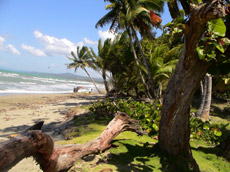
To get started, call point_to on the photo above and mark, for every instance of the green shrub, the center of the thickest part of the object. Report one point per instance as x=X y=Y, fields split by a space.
x=148 y=114
x=211 y=133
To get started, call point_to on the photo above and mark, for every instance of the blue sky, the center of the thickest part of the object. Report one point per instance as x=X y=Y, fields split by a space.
x=37 y=35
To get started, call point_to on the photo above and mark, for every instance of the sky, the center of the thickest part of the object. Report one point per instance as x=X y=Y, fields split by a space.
x=37 y=35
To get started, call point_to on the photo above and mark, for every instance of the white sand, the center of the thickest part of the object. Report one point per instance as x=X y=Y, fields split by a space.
x=18 y=112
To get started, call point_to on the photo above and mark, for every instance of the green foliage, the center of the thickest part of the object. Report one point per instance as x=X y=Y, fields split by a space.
x=149 y=116
x=213 y=40
x=174 y=30
x=147 y=113
x=211 y=133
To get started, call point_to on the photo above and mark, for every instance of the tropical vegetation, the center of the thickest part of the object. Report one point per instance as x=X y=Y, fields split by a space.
x=158 y=79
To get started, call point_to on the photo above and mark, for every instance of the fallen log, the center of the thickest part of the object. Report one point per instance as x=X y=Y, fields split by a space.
x=53 y=158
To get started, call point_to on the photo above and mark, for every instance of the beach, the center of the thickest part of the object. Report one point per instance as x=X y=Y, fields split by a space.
x=19 y=112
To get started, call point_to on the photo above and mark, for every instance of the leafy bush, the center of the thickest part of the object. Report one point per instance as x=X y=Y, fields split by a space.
x=147 y=113
x=212 y=133
x=149 y=116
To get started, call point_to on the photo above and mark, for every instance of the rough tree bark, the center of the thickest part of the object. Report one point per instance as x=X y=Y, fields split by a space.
x=174 y=131
x=58 y=158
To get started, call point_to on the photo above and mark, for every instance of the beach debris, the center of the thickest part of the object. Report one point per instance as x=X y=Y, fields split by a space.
x=76 y=89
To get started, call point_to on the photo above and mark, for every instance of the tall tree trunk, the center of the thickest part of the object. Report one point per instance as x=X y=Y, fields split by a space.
x=138 y=65
x=146 y=64
x=174 y=131
x=105 y=82
x=114 y=80
x=60 y=158
x=92 y=80
x=202 y=96
x=160 y=92
x=206 y=99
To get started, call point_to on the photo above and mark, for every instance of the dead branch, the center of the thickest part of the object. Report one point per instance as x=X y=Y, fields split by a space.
x=53 y=158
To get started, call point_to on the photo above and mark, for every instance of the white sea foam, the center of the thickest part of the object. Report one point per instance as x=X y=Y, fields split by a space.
x=27 y=83
x=8 y=74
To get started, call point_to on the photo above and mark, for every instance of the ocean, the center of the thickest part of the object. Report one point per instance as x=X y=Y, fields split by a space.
x=12 y=82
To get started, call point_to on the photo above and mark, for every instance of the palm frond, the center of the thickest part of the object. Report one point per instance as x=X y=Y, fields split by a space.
x=156 y=5
x=74 y=56
x=108 y=18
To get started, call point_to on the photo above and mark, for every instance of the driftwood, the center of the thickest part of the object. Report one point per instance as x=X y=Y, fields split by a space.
x=54 y=158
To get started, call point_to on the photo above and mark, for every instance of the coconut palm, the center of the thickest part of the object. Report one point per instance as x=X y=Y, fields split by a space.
x=122 y=15
x=117 y=17
x=204 y=109
x=138 y=18
x=162 y=66
x=102 y=59
x=82 y=60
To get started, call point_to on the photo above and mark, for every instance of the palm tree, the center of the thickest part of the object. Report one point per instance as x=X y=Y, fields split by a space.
x=122 y=15
x=117 y=17
x=102 y=59
x=138 y=65
x=138 y=18
x=204 y=109
x=82 y=60
x=162 y=62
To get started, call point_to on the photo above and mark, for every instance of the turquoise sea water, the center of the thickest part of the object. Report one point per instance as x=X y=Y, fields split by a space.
x=12 y=82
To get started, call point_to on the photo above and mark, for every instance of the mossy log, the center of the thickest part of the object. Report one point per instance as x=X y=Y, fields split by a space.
x=53 y=158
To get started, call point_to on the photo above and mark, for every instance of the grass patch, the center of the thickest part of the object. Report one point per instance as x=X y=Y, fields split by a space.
x=131 y=153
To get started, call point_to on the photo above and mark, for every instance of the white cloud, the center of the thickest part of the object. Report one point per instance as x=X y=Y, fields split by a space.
x=106 y=34
x=2 y=40
x=87 y=41
x=32 y=50
x=54 y=46
x=8 y=48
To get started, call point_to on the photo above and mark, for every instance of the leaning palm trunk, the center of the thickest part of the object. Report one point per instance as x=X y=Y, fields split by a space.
x=207 y=98
x=105 y=82
x=91 y=80
x=138 y=65
x=145 y=62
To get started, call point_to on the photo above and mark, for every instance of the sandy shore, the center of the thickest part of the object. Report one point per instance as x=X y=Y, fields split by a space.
x=18 y=112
